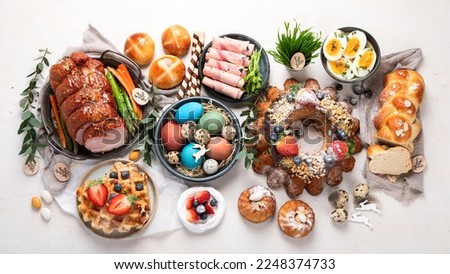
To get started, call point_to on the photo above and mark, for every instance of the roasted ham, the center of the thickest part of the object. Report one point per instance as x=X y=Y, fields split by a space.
x=86 y=103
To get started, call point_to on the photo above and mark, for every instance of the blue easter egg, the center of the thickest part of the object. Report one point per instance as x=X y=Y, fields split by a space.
x=187 y=156
x=191 y=111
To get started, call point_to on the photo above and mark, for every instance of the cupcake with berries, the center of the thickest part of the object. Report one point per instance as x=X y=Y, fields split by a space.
x=201 y=208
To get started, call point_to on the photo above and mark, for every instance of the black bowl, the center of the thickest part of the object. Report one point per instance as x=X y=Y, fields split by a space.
x=264 y=67
x=169 y=113
x=108 y=58
x=375 y=46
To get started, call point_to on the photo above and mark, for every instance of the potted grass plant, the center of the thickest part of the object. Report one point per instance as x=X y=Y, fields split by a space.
x=296 y=48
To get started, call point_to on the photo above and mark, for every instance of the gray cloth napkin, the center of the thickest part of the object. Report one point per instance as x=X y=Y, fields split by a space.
x=168 y=188
x=410 y=185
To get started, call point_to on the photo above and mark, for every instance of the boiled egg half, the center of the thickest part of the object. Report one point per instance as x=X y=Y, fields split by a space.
x=356 y=42
x=364 y=62
x=334 y=45
x=341 y=68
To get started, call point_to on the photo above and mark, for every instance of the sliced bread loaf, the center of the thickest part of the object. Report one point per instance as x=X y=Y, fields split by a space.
x=389 y=161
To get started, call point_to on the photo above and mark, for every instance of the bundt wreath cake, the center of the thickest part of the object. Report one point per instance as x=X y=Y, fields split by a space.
x=284 y=118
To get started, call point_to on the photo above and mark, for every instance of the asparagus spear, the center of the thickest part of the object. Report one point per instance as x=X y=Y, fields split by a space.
x=121 y=105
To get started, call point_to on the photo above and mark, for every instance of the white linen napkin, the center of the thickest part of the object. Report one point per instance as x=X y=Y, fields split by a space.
x=408 y=186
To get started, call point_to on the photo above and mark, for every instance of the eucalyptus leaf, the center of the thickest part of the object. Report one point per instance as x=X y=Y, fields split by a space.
x=241 y=153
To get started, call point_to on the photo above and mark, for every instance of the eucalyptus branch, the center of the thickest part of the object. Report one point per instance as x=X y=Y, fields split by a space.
x=149 y=124
x=29 y=120
x=249 y=153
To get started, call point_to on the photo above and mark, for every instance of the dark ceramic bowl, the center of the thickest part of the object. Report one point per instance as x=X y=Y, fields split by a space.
x=264 y=67
x=168 y=115
x=373 y=43
x=108 y=58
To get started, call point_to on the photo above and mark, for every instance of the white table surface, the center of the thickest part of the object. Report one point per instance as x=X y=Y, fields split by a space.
x=422 y=226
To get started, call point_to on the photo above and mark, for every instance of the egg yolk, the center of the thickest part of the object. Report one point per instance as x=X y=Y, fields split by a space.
x=366 y=59
x=339 y=66
x=353 y=46
x=333 y=46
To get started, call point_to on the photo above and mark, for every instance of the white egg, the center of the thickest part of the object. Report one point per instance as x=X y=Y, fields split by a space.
x=334 y=45
x=356 y=42
x=364 y=62
x=341 y=68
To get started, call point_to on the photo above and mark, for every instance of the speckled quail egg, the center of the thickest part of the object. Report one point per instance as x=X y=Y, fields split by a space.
x=361 y=191
x=229 y=133
x=339 y=215
x=201 y=136
x=342 y=199
x=173 y=157
x=210 y=166
x=188 y=130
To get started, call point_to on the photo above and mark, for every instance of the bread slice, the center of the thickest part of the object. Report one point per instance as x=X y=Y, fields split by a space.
x=389 y=161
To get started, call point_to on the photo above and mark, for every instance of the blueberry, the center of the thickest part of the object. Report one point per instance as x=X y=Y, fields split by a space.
x=290 y=97
x=368 y=93
x=339 y=86
x=298 y=133
x=278 y=129
x=117 y=187
x=125 y=174
x=308 y=161
x=353 y=101
x=297 y=160
x=273 y=136
x=320 y=95
x=358 y=90
x=113 y=175
x=341 y=134
x=213 y=202
x=328 y=160
x=195 y=204
x=139 y=186
x=203 y=216
x=200 y=209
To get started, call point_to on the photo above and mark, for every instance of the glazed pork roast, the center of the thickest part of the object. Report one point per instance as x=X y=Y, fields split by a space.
x=86 y=103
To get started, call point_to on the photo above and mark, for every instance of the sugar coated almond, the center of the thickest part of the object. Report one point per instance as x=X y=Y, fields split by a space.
x=46 y=196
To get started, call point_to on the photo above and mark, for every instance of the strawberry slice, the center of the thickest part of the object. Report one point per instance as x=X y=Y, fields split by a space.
x=338 y=150
x=209 y=209
x=192 y=215
x=190 y=202
x=202 y=196
x=287 y=146
x=97 y=193
x=121 y=204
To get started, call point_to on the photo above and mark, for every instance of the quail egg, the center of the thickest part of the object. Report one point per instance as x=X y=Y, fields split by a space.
x=201 y=136
x=339 y=215
x=229 y=133
x=342 y=199
x=210 y=166
x=188 y=130
x=173 y=157
x=361 y=191
x=334 y=45
x=356 y=42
